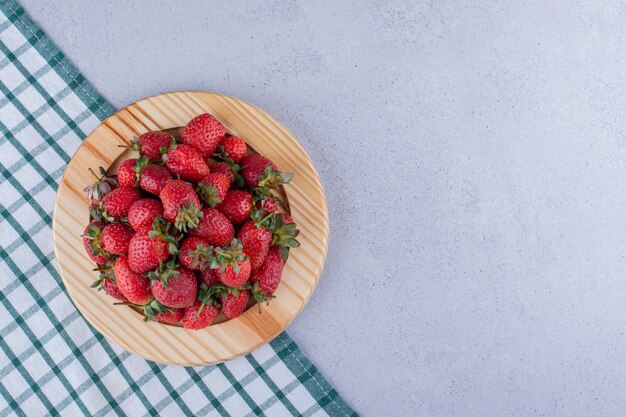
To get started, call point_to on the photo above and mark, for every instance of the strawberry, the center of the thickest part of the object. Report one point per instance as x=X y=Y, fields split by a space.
x=106 y=274
x=256 y=238
x=286 y=218
x=171 y=316
x=233 y=147
x=126 y=175
x=258 y=171
x=106 y=281
x=103 y=185
x=284 y=234
x=268 y=204
x=199 y=315
x=115 y=205
x=115 y=238
x=208 y=278
x=134 y=286
x=143 y=212
x=267 y=277
x=231 y=265
x=223 y=167
x=232 y=300
x=152 y=144
x=181 y=205
x=234 y=304
x=92 y=244
x=236 y=206
x=151 y=246
x=151 y=309
x=153 y=178
x=214 y=228
x=204 y=133
x=110 y=287
x=187 y=249
x=252 y=167
x=173 y=286
x=140 y=172
x=186 y=162
x=213 y=188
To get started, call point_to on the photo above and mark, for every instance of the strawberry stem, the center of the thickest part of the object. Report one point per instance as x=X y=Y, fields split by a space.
x=188 y=217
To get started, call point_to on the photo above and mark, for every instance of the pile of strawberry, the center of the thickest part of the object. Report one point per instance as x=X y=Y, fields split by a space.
x=189 y=227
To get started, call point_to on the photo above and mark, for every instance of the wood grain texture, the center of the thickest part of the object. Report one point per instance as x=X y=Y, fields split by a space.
x=219 y=342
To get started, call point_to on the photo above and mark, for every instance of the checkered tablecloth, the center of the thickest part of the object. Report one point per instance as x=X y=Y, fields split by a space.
x=52 y=362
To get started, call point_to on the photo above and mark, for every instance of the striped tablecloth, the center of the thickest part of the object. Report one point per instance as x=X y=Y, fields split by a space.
x=51 y=361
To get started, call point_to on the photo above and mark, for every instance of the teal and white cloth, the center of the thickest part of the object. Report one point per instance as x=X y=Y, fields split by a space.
x=52 y=362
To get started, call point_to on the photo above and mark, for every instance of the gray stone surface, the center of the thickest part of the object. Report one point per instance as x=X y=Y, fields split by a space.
x=474 y=160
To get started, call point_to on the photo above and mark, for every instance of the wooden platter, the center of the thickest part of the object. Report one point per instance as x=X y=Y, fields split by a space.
x=228 y=339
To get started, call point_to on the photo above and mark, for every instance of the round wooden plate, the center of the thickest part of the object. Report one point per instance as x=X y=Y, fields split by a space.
x=229 y=339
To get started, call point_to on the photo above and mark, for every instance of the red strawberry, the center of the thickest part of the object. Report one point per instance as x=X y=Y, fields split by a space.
x=103 y=185
x=223 y=167
x=234 y=305
x=91 y=242
x=286 y=218
x=252 y=167
x=269 y=274
x=268 y=205
x=236 y=206
x=143 y=212
x=171 y=316
x=134 y=286
x=230 y=277
x=199 y=315
x=106 y=279
x=153 y=178
x=284 y=234
x=149 y=248
x=186 y=162
x=213 y=188
x=190 y=245
x=115 y=238
x=181 y=205
x=204 y=133
x=231 y=265
x=111 y=289
x=149 y=144
x=256 y=239
x=214 y=228
x=258 y=171
x=208 y=277
x=126 y=175
x=234 y=147
x=174 y=288
x=116 y=204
